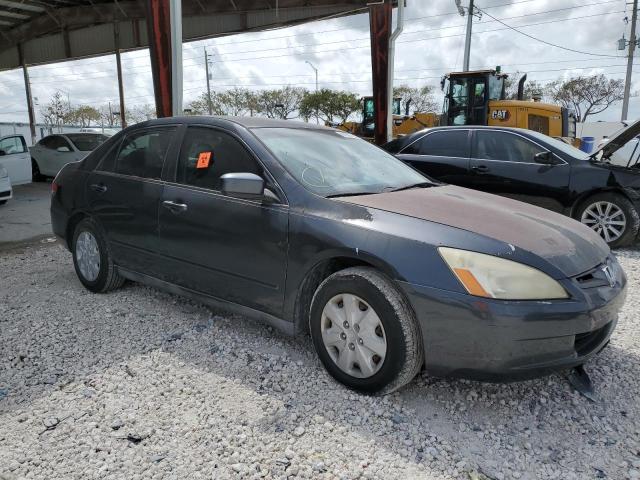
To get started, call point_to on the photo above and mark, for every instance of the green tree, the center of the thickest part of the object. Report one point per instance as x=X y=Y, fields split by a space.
x=83 y=115
x=331 y=106
x=280 y=103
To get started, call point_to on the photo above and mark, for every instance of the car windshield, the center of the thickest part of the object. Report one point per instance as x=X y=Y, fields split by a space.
x=86 y=142
x=559 y=145
x=334 y=163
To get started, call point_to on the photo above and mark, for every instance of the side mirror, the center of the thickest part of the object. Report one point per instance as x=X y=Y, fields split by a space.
x=243 y=185
x=63 y=149
x=545 y=158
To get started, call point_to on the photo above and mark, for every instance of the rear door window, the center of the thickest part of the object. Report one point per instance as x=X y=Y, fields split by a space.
x=207 y=154
x=496 y=145
x=142 y=153
x=449 y=143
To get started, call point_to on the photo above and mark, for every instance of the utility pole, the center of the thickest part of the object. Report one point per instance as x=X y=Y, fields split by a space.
x=632 y=47
x=315 y=70
x=206 y=67
x=467 y=39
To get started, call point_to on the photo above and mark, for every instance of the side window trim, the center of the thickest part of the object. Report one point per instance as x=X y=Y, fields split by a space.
x=474 y=153
x=269 y=180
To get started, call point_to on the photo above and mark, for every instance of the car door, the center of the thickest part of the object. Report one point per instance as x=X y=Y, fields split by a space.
x=123 y=194
x=503 y=162
x=61 y=153
x=229 y=248
x=441 y=154
x=15 y=157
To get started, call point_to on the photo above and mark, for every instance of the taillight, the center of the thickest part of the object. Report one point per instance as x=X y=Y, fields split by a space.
x=54 y=187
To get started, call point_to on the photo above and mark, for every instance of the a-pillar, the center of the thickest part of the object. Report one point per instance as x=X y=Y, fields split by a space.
x=380 y=31
x=164 y=29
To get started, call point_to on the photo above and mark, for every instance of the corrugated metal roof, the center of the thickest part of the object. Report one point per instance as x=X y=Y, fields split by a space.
x=56 y=30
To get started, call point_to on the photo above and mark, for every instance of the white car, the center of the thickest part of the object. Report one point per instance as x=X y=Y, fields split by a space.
x=5 y=186
x=53 y=152
x=15 y=165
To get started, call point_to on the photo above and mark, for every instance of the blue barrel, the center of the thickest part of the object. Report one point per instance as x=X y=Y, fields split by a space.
x=586 y=144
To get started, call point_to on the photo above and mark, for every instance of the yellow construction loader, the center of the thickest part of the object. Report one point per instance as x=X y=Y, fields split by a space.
x=478 y=98
x=475 y=98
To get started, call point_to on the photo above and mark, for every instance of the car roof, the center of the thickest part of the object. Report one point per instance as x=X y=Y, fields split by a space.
x=247 y=122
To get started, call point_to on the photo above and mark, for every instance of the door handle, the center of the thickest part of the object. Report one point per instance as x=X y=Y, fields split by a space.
x=174 y=206
x=480 y=169
x=98 y=187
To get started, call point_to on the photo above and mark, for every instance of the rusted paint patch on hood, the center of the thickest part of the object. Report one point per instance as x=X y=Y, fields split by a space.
x=571 y=246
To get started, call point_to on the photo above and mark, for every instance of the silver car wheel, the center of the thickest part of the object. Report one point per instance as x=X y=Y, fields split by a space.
x=607 y=219
x=88 y=256
x=353 y=335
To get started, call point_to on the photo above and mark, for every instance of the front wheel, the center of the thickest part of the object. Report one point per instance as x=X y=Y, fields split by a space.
x=612 y=216
x=365 y=332
x=36 y=176
x=92 y=259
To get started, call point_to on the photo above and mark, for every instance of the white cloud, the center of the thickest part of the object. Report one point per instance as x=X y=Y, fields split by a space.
x=431 y=45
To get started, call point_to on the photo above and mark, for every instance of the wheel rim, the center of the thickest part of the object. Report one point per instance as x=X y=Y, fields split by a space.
x=353 y=335
x=88 y=256
x=606 y=219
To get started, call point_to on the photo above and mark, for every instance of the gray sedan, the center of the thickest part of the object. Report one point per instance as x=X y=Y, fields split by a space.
x=53 y=152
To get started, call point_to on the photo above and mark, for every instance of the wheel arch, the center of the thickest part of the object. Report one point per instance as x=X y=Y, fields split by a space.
x=72 y=223
x=319 y=271
x=584 y=196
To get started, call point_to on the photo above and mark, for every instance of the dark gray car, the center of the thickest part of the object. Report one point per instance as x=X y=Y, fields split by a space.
x=314 y=230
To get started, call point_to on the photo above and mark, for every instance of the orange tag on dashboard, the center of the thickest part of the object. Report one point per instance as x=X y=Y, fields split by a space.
x=203 y=160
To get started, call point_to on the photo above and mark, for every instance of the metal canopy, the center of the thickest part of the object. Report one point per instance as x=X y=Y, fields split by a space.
x=57 y=30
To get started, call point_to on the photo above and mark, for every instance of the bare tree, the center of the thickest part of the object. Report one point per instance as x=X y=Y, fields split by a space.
x=55 y=112
x=587 y=95
x=140 y=113
x=419 y=99
x=531 y=88
x=200 y=106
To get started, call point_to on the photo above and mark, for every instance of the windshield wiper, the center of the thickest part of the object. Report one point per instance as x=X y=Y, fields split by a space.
x=413 y=185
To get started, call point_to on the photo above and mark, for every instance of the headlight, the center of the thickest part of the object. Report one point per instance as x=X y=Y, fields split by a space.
x=3 y=172
x=493 y=277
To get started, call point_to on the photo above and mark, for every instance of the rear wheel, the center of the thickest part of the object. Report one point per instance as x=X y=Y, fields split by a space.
x=35 y=171
x=92 y=259
x=365 y=332
x=612 y=216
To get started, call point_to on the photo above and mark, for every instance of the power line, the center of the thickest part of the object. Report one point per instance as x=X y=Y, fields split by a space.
x=544 y=41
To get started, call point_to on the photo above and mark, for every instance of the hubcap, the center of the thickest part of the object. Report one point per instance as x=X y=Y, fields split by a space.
x=353 y=335
x=88 y=256
x=606 y=219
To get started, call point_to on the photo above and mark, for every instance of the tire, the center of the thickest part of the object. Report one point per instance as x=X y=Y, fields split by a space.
x=36 y=176
x=397 y=328
x=104 y=276
x=623 y=211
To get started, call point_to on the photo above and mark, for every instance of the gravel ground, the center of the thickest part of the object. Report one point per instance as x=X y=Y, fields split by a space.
x=142 y=384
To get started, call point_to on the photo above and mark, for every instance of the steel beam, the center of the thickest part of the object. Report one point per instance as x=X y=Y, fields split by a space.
x=116 y=41
x=380 y=31
x=159 y=33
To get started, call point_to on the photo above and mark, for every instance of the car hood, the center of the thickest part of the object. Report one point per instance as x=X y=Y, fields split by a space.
x=618 y=140
x=570 y=246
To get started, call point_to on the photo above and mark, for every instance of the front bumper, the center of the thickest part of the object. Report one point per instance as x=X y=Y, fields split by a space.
x=498 y=340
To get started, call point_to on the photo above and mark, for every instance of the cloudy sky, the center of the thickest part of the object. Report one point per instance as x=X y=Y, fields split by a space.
x=431 y=45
